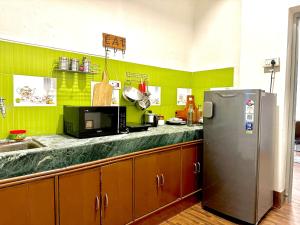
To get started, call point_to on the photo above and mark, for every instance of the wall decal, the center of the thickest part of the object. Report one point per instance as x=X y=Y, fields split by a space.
x=34 y=91
x=182 y=93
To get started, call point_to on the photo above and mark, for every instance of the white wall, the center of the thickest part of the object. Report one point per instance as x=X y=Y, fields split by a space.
x=216 y=39
x=190 y=35
x=158 y=32
x=264 y=34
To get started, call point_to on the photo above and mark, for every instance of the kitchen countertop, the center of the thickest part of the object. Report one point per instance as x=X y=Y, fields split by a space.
x=62 y=151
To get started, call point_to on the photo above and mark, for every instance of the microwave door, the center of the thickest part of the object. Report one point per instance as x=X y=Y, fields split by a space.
x=100 y=122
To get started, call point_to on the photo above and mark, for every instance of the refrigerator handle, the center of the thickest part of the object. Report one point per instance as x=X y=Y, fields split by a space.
x=227 y=95
x=208 y=109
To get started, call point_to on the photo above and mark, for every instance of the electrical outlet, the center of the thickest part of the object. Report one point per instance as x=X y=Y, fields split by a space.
x=268 y=62
x=268 y=65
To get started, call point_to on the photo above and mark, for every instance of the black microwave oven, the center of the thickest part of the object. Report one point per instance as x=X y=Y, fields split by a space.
x=94 y=121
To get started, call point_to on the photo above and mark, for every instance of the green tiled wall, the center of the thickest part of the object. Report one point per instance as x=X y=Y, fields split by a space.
x=74 y=89
x=204 y=80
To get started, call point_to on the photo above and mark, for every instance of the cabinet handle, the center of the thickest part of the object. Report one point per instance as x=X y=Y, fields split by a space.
x=199 y=167
x=157 y=181
x=97 y=203
x=105 y=200
x=196 y=169
x=162 y=180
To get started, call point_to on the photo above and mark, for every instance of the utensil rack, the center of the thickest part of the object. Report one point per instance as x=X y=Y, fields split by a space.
x=136 y=77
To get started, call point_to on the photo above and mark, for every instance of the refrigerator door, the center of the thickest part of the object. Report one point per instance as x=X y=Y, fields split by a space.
x=230 y=153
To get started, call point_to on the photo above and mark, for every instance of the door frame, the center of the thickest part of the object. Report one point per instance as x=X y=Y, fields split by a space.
x=291 y=95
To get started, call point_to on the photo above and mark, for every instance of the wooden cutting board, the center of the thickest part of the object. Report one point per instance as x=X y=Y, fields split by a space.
x=184 y=113
x=102 y=92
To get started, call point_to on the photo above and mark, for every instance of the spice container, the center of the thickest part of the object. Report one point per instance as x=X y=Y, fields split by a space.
x=63 y=63
x=161 y=120
x=86 y=64
x=74 y=65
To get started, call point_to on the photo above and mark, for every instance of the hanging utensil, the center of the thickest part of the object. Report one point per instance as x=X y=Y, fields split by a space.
x=131 y=94
x=143 y=104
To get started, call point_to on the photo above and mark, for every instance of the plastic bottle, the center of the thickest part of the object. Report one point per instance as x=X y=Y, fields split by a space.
x=190 y=115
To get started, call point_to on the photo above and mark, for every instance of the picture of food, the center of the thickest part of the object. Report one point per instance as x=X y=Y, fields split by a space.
x=155 y=95
x=34 y=91
x=181 y=95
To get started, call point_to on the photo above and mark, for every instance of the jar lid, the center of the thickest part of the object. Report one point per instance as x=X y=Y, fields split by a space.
x=17 y=132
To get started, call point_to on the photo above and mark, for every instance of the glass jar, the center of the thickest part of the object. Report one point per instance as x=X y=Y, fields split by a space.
x=63 y=63
x=86 y=64
x=74 y=65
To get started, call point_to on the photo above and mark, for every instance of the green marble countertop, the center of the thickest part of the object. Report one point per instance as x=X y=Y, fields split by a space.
x=62 y=151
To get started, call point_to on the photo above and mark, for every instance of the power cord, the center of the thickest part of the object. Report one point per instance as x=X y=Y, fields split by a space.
x=272 y=76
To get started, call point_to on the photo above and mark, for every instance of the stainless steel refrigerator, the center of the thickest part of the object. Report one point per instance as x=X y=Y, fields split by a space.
x=239 y=138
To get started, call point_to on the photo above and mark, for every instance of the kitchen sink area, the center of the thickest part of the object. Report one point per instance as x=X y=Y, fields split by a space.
x=16 y=146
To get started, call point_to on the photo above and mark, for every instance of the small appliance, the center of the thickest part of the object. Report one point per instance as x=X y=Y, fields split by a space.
x=88 y=121
x=150 y=118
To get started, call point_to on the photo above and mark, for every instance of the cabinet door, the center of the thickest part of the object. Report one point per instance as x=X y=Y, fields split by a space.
x=169 y=171
x=79 y=198
x=41 y=202
x=191 y=160
x=146 y=185
x=28 y=204
x=116 y=192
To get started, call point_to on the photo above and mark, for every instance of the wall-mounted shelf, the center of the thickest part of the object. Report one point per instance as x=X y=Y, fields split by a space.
x=77 y=71
x=136 y=77
x=74 y=65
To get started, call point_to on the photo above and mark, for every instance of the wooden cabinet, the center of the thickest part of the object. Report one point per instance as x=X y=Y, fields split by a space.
x=169 y=170
x=106 y=193
x=79 y=198
x=191 y=168
x=117 y=193
x=28 y=204
x=146 y=184
x=111 y=194
x=156 y=180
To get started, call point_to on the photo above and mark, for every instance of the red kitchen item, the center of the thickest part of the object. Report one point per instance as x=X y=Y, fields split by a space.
x=17 y=132
x=17 y=135
x=145 y=86
x=142 y=87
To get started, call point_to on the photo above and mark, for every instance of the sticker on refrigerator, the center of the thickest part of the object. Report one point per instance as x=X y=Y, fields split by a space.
x=249 y=106
x=249 y=117
x=249 y=127
x=249 y=102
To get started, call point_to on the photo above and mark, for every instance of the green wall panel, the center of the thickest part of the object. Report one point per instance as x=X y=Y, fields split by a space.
x=74 y=89
x=204 y=80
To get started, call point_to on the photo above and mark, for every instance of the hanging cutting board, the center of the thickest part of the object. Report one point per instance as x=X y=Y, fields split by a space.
x=103 y=92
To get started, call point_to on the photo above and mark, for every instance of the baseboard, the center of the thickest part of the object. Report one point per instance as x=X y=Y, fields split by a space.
x=278 y=199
